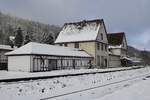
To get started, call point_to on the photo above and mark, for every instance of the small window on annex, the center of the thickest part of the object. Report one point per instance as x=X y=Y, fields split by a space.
x=76 y=45
x=65 y=44
x=60 y=44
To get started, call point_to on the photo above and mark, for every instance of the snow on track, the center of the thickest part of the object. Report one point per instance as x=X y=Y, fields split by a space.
x=43 y=88
x=93 y=88
x=14 y=76
x=138 y=91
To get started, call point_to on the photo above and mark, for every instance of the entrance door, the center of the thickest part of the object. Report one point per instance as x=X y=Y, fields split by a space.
x=52 y=64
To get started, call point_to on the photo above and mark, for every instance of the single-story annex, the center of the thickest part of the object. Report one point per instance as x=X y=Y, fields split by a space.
x=34 y=57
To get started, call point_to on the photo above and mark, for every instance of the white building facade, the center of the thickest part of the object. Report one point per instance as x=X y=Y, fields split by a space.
x=117 y=48
x=36 y=57
x=88 y=35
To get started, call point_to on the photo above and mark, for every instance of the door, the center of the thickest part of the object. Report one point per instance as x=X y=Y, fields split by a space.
x=52 y=64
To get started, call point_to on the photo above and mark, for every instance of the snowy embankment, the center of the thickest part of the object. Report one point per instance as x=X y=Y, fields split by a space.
x=138 y=91
x=15 y=75
x=38 y=89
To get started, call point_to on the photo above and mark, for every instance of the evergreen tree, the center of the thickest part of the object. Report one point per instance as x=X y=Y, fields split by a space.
x=27 y=39
x=19 y=38
x=48 y=40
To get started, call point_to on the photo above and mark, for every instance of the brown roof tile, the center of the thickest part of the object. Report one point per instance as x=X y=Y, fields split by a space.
x=115 y=38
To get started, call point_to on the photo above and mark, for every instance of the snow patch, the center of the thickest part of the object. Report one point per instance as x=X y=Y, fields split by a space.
x=37 y=89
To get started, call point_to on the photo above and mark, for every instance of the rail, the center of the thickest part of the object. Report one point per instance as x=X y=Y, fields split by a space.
x=74 y=92
x=65 y=75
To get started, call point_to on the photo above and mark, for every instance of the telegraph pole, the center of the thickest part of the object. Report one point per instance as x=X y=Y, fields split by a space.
x=144 y=57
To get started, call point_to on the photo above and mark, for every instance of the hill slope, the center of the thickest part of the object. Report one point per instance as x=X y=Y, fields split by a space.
x=38 y=31
x=133 y=52
x=144 y=55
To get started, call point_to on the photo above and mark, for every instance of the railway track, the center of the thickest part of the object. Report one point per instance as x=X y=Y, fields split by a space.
x=79 y=91
x=24 y=80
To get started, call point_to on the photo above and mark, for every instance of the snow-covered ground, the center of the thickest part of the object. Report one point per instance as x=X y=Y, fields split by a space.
x=38 y=89
x=13 y=75
x=138 y=91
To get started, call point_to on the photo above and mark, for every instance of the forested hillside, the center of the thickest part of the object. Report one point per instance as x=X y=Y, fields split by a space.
x=37 y=31
x=133 y=52
x=144 y=55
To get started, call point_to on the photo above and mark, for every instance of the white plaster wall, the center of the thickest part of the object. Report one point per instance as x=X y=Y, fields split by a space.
x=102 y=31
x=124 y=44
x=104 y=41
x=101 y=53
x=19 y=63
x=116 y=51
x=123 y=53
x=114 y=61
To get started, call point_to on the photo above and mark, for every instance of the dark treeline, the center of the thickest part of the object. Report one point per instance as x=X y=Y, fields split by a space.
x=36 y=31
x=143 y=54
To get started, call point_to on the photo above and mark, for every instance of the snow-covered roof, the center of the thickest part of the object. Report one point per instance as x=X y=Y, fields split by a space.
x=114 y=46
x=135 y=59
x=33 y=48
x=6 y=47
x=79 y=31
x=11 y=38
x=127 y=58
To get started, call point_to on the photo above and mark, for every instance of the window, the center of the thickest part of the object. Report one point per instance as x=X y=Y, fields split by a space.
x=101 y=36
x=102 y=61
x=65 y=44
x=98 y=60
x=76 y=45
x=105 y=47
x=105 y=62
x=98 y=46
x=102 y=46
x=122 y=44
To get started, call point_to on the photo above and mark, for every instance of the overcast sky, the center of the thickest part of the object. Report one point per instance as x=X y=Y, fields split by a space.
x=129 y=16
